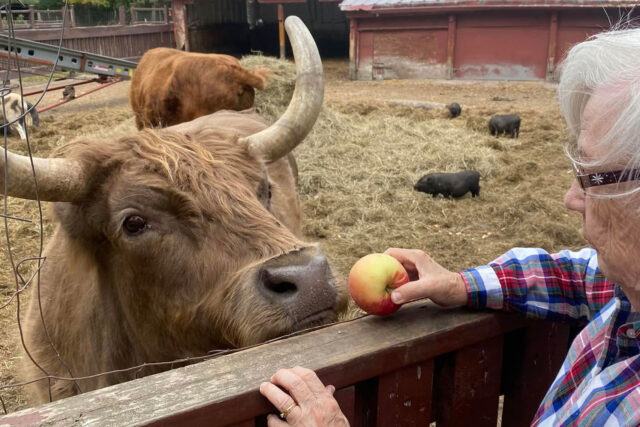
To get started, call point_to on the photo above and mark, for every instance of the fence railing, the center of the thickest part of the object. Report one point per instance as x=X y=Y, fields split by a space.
x=149 y=15
x=422 y=364
x=53 y=18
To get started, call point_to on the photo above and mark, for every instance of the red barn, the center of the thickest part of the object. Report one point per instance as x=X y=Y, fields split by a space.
x=471 y=39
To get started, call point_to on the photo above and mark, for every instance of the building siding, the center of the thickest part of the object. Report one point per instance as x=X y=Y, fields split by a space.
x=517 y=43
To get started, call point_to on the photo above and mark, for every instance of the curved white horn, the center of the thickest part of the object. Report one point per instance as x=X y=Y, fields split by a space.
x=59 y=180
x=290 y=129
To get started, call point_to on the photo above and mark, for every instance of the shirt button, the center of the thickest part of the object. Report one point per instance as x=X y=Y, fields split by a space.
x=631 y=333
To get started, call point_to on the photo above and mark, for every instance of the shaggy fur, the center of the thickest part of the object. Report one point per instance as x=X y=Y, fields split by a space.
x=189 y=282
x=12 y=111
x=170 y=86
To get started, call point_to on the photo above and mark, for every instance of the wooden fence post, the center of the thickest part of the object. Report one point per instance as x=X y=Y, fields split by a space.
x=451 y=47
x=31 y=17
x=133 y=15
x=122 y=18
x=353 y=48
x=72 y=16
x=551 y=50
x=281 y=30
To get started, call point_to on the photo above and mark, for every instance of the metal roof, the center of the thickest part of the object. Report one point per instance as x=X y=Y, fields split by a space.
x=354 y=5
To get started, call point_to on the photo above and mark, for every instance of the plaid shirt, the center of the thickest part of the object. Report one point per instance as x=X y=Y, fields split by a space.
x=599 y=381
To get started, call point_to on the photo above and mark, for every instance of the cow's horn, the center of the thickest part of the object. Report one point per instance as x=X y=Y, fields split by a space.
x=290 y=129
x=59 y=180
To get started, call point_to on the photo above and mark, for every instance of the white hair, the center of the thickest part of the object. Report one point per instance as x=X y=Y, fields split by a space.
x=606 y=61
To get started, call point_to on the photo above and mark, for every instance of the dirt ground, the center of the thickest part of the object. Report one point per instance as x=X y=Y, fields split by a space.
x=357 y=170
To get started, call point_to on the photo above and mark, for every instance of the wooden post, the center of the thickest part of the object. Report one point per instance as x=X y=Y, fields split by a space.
x=67 y=20
x=353 y=48
x=31 y=17
x=553 y=41
x=72 y=16
x=166 y=14
x=451 y=46
x=122 y=18
x=180 y=30
x=281 y=30
x=133 y=15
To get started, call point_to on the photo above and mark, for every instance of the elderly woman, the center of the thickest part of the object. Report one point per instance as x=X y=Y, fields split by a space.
x=599 y=382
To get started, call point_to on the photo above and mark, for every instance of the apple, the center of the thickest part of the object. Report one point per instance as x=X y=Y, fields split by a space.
x=371 y=281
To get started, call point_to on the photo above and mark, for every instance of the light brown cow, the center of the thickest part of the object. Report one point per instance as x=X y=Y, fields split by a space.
x=17 y=115
x=172 y=243
x=170 y=86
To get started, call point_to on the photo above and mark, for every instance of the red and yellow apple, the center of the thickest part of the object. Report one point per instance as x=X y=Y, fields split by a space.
x=371 y=281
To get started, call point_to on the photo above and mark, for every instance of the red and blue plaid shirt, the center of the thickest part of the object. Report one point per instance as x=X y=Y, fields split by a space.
x=599 y=382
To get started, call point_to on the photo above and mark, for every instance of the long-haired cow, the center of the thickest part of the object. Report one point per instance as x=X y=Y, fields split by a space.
x=11 y=110
x=170 y=86
x=172 y=243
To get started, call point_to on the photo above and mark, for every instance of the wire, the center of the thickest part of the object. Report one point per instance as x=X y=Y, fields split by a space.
x=3 y=92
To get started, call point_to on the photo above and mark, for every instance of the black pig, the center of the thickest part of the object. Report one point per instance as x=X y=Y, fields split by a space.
x=506 y=123
x=454 y=110
x=450 y=184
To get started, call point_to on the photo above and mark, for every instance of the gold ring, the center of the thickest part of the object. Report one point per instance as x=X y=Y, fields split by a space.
x=286 y=412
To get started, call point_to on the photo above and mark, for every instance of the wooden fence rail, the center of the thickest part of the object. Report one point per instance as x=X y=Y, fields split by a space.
x=420 y=365
x=35 y=18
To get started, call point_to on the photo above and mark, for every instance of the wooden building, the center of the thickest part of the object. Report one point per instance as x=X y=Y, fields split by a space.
x=471 y=39
x=241 y=26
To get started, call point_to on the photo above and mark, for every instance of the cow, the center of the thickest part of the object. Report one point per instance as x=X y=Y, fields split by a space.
x=454 y=110
x=170 y=86
x=506 y=123
x=18 y=115
x=450 y=184
x=171 y=243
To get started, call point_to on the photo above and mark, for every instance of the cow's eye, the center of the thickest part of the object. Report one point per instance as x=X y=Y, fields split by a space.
x=134 y=225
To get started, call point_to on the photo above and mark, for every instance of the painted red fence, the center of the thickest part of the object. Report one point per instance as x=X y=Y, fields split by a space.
x=420 y=365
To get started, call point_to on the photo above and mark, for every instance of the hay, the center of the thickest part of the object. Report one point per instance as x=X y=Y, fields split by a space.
x=358 y=166
x=271 y=102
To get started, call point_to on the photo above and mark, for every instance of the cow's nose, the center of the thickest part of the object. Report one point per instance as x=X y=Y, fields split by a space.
x=303 y=286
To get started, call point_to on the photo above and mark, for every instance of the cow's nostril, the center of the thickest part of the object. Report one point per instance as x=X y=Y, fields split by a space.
x=281 y=287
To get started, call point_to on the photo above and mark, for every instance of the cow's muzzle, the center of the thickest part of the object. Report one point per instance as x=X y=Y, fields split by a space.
x=302 y=285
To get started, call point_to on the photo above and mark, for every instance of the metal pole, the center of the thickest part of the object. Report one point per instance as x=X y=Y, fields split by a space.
x=52 y=88
x=102 y=86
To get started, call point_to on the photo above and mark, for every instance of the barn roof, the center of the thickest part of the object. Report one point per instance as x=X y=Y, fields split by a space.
x=381 y=5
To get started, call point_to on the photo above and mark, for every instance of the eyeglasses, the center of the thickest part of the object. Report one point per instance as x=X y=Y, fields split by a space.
x=597 y=179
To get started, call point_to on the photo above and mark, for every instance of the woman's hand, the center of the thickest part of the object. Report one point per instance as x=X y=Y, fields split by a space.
x=302 y=399
x=428 y=279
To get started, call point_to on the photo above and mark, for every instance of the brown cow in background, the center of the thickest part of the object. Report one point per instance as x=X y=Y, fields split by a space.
x=170 y=86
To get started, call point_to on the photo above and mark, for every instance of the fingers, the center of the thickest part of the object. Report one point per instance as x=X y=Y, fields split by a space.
x=294 y=384
x=311 y=380
x=411 y=291
x=408 y=256
x=302 y=388
x=281 y=400
x=275 y=421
